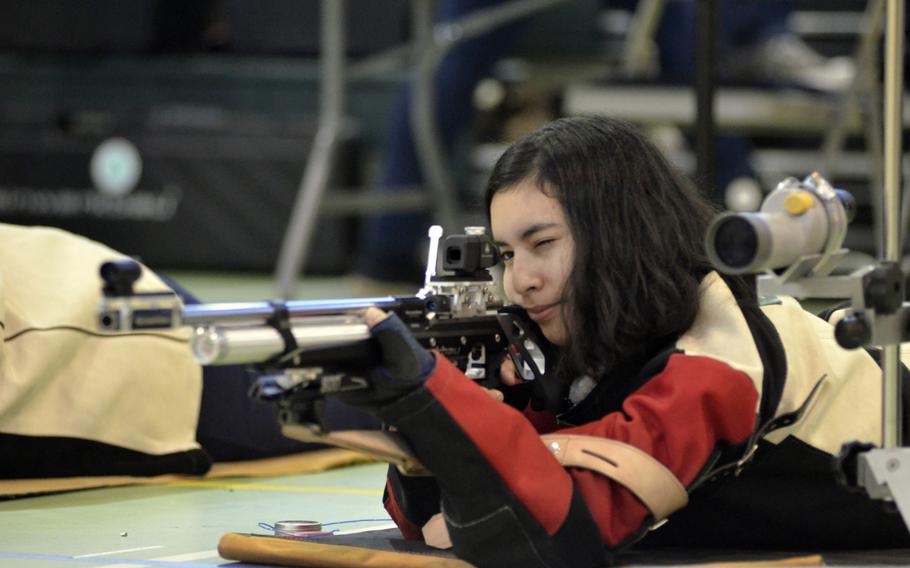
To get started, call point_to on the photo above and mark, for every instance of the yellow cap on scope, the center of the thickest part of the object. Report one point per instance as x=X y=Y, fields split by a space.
x=798 y=202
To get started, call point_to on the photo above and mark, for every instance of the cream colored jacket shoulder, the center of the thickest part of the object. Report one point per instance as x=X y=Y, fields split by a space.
x=60 y=377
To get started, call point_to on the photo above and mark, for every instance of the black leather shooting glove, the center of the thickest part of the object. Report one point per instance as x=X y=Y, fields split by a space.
x=404 y=366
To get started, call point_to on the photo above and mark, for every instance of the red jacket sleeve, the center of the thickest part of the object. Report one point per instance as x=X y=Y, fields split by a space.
x=678 y=417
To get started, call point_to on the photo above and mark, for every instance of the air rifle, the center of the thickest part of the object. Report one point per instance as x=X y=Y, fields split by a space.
x=301 y=351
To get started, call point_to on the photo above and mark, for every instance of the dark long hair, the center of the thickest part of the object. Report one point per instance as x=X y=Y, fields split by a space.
x=638 y=226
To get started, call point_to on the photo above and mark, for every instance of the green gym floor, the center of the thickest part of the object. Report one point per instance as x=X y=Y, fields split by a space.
x=178 y=525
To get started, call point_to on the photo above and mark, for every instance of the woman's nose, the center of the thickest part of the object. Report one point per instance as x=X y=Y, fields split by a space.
x=525 y=278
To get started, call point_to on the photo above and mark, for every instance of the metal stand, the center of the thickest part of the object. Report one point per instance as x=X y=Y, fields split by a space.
x=315 y=179
x=894 y=89
x=885 y=473
x=879 y=311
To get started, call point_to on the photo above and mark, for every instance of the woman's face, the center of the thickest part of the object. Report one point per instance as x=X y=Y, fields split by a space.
x=537 y=249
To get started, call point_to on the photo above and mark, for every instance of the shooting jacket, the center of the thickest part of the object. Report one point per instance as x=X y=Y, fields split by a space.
x=746 y=409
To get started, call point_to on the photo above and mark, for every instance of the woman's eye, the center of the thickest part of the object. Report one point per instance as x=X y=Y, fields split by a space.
x=543 y=243
x=506 y=255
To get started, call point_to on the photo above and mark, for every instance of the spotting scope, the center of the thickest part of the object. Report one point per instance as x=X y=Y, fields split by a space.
x=798 y=219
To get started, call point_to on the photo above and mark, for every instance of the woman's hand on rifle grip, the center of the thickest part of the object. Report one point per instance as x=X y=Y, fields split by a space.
x=405 y=363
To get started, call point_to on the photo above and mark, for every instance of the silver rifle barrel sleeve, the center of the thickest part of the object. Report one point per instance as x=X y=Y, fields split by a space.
x=227 y=345
x=258 y=312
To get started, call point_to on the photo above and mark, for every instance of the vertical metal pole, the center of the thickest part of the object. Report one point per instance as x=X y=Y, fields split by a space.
x=894 y=85
x=315 y=179
x=424 y=128
x=705 y=64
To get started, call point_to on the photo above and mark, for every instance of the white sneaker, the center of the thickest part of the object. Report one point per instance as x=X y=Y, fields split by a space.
x=786 y=58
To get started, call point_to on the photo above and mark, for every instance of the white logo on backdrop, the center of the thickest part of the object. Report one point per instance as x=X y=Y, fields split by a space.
x=116 y=167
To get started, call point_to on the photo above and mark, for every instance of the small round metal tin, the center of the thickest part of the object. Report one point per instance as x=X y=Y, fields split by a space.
x=296 y=528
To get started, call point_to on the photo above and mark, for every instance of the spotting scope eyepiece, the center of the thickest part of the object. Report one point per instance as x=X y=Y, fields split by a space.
x=796 y=220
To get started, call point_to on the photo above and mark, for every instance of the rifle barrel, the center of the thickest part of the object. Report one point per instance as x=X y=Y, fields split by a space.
x=258 y=312
x=226 y=345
